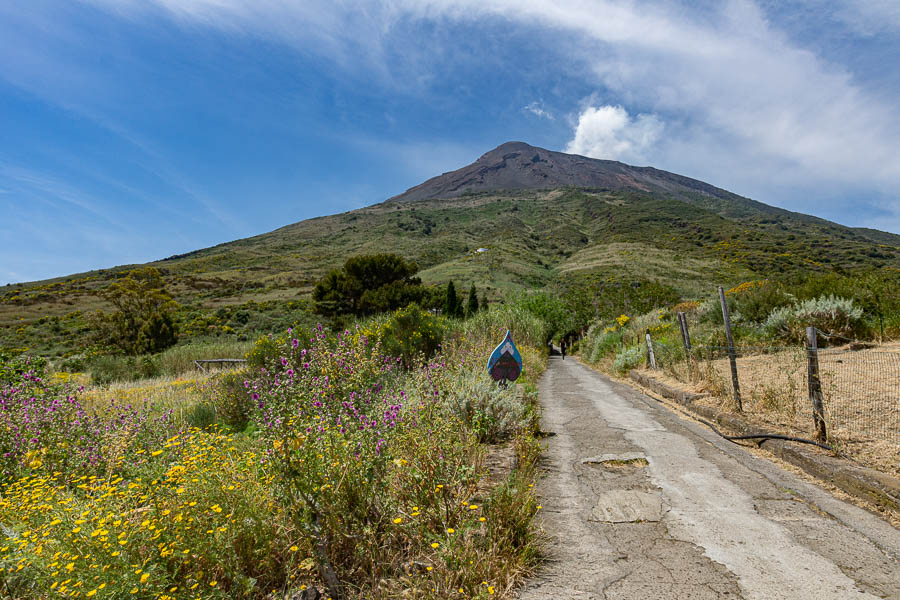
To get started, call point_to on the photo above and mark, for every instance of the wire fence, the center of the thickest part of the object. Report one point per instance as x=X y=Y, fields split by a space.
x=862 y=393
x=860 y=387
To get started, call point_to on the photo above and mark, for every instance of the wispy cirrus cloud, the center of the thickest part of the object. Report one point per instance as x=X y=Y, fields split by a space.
x=537 y=108
x=199 y=107
x=721 y=73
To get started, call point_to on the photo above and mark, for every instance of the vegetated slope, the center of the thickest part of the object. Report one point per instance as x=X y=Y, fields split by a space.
x=635 y=224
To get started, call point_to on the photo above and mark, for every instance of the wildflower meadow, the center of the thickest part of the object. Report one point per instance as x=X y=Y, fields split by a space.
x=354 y=469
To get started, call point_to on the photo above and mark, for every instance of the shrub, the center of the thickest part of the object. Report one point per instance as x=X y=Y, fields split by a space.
x=13 y=369
x=268 y=349
x=412 y=332
x=265 y=350
x=604 y=343
x=231 y=400
x=628 y=358
x=832 y=315
x=551 y=310
x=106 y=369
x=782 y=324
x=688 y=306
x=756 y=302
x=73 y=364
x=492 y=413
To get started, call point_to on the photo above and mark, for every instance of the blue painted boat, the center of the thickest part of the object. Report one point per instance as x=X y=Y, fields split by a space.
x=505 y=363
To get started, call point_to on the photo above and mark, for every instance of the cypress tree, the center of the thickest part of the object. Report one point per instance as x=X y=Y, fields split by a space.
x=452 y=305
x=472 y=306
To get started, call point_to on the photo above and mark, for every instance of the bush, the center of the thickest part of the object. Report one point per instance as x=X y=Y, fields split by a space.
x=551 y=310
x=265 y=350
x=231 y=400
x=106 y=369
x=492 y=413
x=829 y=314
x=268 y=349
x=832 y=315
x=73 y=364
x=782 y=324
x=13 y=369
x=412 y=332
x=756 y=302
x=603 y=344
x=628 y=359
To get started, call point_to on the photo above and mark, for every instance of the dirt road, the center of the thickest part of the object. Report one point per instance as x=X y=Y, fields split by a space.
x=642 y=504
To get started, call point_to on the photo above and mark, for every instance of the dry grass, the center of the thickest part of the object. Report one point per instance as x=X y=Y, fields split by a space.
x=861 y=388
x=178 y=394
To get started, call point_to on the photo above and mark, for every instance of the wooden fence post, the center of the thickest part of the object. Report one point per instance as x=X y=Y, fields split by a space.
x=650 y=351
x=686 y=340
x=732 y=355
x=815 y=385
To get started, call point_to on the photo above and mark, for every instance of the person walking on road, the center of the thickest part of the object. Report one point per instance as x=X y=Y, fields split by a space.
x=562 y=348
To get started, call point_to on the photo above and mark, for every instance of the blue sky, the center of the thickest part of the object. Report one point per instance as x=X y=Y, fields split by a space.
x=131 y=130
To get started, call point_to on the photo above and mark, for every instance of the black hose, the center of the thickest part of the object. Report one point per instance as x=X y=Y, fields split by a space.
x=767 y=436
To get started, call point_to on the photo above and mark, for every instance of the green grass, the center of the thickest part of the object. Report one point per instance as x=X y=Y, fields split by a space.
x=179 y=360
x=534 y=238
x=689 y=275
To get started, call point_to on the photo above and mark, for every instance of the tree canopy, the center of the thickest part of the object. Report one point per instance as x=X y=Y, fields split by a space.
x=143 y=320
x=368 y=284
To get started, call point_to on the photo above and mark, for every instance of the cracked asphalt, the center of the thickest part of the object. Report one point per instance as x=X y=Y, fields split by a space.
x=640 y=503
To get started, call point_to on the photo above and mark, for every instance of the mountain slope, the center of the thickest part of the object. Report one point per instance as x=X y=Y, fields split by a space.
x=642 y=224
x=520 y=166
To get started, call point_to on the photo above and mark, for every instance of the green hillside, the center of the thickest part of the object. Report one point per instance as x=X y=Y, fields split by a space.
x=532 y=238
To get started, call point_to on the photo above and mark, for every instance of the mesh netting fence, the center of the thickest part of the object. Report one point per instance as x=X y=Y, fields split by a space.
x=861 y=388
x=862 y=393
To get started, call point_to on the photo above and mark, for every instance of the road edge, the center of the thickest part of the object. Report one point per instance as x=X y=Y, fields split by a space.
x=861 y=482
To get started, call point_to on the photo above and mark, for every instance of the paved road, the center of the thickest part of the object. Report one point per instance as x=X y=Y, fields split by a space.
x=642 y=504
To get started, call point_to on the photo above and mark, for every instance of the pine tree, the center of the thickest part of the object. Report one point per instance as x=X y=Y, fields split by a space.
x=484 y=302
x=452 y=305
x=472 y=306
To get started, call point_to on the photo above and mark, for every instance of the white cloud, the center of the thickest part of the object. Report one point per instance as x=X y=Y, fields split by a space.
x=725 y=69
x=609 y=132
x=537 y=108
x=733 y=88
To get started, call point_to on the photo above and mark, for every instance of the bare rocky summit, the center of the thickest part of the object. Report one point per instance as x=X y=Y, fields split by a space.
x=518 y=166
